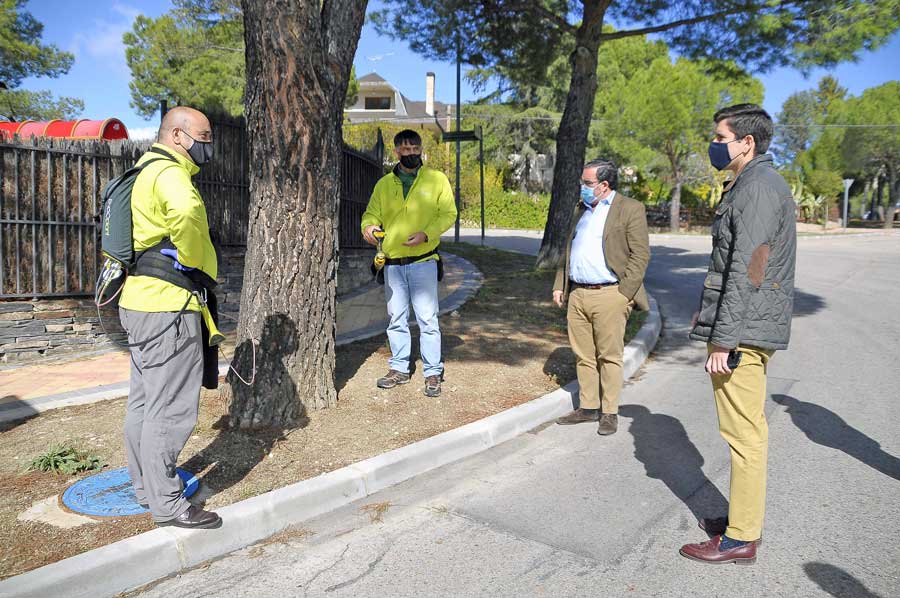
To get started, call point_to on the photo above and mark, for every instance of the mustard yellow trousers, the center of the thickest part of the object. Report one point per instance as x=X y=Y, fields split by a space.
x=740 y=401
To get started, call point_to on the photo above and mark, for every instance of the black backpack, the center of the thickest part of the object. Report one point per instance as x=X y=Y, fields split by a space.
x=116 y=241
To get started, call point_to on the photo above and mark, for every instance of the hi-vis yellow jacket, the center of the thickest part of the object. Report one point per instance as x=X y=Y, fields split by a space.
x=165 y=203
x=429 y=207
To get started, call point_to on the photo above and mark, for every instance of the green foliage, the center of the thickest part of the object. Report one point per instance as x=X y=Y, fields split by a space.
x=867 y=148
x=23 y=55
x=801 y=114
x=193 y=55
x=660 y=120
x=174 y=57
x=507 y=209
x=352 y=89
x=64 y=458
x=19 y=105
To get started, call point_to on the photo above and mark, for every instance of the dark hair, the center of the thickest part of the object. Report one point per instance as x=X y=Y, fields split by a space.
x=606 y=170
x=748 y=119
x=407 y=136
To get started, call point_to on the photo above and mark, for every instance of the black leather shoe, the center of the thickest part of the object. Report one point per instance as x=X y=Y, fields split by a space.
x=194 y=518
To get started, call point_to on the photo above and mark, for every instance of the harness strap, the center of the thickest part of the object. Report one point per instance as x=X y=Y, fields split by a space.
x=403 y=261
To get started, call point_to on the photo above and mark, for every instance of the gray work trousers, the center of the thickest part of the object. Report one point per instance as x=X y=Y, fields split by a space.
x=163 y=401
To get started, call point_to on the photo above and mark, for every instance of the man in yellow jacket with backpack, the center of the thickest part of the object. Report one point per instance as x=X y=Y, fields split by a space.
x=163 y=320
x=413 y=206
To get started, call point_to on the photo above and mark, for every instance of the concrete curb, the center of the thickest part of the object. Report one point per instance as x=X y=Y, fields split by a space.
x=472 y=281
x=139 y=560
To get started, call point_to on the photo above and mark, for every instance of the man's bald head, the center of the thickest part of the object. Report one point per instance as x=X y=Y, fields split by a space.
x=180 y=126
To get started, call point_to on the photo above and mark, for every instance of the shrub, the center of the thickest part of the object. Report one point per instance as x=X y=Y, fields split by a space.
x=508 y=209
x=64 y=458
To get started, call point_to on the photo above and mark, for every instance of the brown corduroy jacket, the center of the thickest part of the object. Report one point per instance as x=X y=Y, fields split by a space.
x=626 y=248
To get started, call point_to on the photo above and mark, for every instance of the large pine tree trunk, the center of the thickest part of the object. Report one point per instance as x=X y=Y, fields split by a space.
x=299 y=56
x=571 y=139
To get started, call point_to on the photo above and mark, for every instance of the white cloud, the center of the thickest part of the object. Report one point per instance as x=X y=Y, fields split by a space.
x=142 y=133
x=104 y=42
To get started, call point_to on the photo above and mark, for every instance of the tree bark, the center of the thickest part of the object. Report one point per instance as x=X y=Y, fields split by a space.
x=675 y=206
x=675 y=202
x=571 y=139
x=892 y=186
x=298 y=57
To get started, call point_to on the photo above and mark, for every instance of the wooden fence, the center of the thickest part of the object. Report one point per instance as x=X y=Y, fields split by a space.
x=51 y=189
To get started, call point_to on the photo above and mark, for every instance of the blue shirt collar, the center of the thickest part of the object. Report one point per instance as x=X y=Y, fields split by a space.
x=605 y=202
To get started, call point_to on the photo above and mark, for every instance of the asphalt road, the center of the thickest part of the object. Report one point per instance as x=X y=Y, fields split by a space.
x=561 y=511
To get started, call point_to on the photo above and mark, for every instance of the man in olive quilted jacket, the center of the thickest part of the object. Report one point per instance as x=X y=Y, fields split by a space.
x=745 y=316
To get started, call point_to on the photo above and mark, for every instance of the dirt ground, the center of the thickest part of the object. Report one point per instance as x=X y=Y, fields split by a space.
x=506 y=346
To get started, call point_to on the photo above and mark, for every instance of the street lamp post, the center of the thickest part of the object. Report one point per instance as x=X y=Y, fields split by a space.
x=847 y=184
x=458 y=115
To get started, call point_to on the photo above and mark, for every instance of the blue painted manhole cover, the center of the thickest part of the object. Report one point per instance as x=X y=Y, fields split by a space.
x=109 y=494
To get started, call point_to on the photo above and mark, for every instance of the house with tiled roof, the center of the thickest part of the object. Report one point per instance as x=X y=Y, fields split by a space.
x=379 y=100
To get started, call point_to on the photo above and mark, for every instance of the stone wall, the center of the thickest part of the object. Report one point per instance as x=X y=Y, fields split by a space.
x=34 y=329
x=47 y=328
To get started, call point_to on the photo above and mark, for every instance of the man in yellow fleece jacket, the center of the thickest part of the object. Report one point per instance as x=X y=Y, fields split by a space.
x=413 y=206
x=166 y=372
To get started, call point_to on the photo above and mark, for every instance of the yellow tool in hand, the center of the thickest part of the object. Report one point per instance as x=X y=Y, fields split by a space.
x=380 y=257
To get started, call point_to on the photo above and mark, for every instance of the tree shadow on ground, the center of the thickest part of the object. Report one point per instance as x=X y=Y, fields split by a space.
x=560 y=365
x=349 y=358
x=233 y=453
x=836 y=581
x=21 y=410
x=661 y=443
x=827 y=428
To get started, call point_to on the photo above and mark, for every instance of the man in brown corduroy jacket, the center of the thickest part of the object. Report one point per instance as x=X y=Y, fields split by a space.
x=602 y=279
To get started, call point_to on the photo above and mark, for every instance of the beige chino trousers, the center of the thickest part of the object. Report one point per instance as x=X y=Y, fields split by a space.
x=597 y=319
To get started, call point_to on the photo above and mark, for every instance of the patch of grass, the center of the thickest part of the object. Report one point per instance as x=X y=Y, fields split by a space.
x=515 y=291
x=64 y=458
x=376 y=510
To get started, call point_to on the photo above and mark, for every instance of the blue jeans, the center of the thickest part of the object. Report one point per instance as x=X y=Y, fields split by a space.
x=416 y=283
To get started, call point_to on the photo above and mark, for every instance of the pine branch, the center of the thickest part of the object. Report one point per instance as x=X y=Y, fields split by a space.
x=605 y=37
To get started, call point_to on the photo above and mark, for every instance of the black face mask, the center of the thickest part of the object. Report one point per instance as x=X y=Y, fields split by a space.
x=200 y=152
x=411 y=160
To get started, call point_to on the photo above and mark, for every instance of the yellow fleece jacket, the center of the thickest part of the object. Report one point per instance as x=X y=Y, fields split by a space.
x=165 y=203
x=429 y=207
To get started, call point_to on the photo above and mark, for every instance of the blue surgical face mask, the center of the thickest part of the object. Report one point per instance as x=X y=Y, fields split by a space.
x=587 y=196
x=718 y=154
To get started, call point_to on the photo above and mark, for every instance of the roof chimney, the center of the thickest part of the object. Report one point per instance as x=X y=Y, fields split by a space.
x=429 y=94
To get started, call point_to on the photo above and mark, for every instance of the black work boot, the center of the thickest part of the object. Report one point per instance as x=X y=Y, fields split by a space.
x=579 y=416
x=609 y=423
x=392 y=379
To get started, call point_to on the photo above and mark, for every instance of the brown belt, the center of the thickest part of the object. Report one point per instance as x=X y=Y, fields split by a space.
x=577 y=285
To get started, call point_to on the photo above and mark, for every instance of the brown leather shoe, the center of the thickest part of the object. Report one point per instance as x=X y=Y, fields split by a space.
x=194 y=518
x=708 y=552
x=392 y=379
x=717 y=526
x=579 y=416
x=609 y=423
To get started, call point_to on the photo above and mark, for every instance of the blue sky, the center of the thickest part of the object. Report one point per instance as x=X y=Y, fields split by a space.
x=93 y=30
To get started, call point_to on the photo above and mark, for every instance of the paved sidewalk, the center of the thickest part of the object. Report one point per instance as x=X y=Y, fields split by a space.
x=361 y=314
